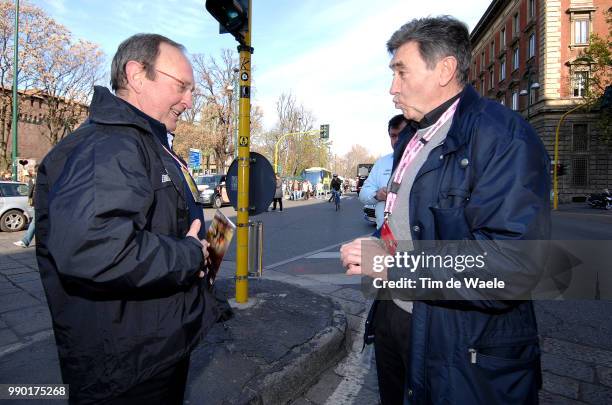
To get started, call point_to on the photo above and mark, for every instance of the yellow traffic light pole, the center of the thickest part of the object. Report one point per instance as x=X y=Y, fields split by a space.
x=244 y=141
x=312 y=132
x=555 y=174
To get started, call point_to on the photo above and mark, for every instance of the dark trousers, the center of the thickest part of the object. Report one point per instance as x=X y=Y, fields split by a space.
x=280 y=202
x=392 y=348
x=165 y=388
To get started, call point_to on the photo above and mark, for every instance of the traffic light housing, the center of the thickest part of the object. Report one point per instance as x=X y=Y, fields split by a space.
x=325 y=131
x=233 y=16
x=560 y=169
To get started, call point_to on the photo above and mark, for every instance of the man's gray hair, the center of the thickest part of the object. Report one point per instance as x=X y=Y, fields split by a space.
x=142 y=48
x=437 y=38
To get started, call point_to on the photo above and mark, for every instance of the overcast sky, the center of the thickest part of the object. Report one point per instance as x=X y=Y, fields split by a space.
x=330 y=55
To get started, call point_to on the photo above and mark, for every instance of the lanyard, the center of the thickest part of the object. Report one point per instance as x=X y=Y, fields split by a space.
x=190 y=183
x=412 y=149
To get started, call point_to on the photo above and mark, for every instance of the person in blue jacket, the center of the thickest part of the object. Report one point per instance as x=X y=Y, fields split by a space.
x=472 y=176
x=374 y=189
x=120 y=238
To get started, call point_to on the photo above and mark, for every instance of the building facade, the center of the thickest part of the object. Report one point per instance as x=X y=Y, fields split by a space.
x=32 y=132
x=525 y=54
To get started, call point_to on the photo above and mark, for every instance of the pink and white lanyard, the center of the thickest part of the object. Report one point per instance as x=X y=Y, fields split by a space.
x=412 y=149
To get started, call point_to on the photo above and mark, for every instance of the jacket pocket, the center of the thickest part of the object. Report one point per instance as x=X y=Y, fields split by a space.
x=450 y=223
x=506 y=373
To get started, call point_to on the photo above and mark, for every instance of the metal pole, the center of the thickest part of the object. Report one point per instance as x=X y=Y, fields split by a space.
x=15 y=100
x=244 y=140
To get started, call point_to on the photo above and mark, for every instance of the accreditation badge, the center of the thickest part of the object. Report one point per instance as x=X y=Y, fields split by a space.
x=191 y=183
x=387 y=237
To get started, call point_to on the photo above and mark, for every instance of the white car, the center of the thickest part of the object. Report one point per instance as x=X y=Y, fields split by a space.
x=15 y=212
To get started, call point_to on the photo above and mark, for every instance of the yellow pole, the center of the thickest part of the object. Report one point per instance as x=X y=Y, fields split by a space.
x=555 y=178
x=244 y=141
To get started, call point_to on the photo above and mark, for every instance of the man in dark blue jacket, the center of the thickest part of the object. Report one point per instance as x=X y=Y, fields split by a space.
x=472 y=176
x=119 y=236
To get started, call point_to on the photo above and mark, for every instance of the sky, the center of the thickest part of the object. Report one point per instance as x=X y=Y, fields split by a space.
x=330 y=55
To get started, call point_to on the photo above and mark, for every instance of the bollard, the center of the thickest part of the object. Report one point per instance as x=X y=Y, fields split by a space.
x=255 y=249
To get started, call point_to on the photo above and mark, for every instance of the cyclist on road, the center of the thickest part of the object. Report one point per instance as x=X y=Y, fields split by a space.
x=336 y=185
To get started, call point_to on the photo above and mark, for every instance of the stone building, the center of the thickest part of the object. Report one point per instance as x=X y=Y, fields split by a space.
x=32 y=140
x=526 y=55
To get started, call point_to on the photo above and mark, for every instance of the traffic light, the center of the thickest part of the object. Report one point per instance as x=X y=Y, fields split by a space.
x=325 y=131
x=560 y=169
x=233 y=15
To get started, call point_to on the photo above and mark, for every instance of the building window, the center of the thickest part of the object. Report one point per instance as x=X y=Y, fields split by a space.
x=515 y=25
x=492 y=51
x=579 y=83
x=515 y=100
x=482 y=60
x=580 y=138
x=502 y=38
x=502 y=69
x=581 y=32
x=482 y=85
x=532 y=45
x=502 y=100
x=515 y=58
x=580 y=168
x=491 y=78
x=531 y=9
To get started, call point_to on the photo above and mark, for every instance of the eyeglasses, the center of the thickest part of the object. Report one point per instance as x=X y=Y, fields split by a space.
x=183 y=86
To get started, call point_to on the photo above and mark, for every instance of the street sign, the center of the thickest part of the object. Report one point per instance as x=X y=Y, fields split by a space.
x=195 y=158
x=262 y=184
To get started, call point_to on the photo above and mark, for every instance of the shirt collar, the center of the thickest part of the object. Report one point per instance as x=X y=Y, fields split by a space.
x=434 y=115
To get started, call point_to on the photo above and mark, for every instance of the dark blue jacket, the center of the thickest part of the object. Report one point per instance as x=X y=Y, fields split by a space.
x=120 y=276
x=488 y=181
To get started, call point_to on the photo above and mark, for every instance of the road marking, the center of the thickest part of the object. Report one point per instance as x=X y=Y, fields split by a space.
x=302 y=256
x=325 y=255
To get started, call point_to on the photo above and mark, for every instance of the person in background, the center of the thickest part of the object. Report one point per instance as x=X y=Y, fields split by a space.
x=278 y=194
x=374 y=189
x=29 y=235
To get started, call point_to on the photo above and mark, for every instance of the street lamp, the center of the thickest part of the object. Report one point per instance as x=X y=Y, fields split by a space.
x=527 y=92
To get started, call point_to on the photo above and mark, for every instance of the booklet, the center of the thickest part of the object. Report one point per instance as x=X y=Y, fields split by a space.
x=219 y=235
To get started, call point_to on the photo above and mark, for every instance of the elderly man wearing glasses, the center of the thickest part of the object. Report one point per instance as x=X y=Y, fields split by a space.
x=120 y=236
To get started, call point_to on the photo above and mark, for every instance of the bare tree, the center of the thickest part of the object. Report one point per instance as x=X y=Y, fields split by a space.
x=50 y=66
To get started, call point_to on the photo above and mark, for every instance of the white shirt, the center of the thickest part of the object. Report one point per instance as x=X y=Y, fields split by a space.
x=378 y=178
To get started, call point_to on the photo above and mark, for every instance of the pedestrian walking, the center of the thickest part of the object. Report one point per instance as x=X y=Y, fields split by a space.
x=278 y=194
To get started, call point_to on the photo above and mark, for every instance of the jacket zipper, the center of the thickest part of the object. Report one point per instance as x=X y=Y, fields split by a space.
x=474 y=352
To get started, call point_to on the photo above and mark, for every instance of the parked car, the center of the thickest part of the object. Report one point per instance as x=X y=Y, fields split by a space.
x=212 y=190
x=15 y=211
x=369 y=213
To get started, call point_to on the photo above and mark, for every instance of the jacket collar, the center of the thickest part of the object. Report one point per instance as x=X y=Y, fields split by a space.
x=109 y=109
x=456 y=136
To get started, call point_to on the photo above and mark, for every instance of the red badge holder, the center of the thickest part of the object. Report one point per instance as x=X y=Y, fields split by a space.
x=386 y=235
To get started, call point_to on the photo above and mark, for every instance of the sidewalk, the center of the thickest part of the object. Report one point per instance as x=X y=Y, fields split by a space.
x=268 y=353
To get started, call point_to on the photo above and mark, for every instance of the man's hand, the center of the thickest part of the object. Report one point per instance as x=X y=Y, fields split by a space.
x=193 y=232
x=351 y=255
x=381 y=194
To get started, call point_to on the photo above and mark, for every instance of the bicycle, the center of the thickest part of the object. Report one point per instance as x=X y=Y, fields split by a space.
x=336 y=199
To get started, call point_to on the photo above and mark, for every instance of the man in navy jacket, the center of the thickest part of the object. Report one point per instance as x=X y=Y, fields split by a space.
x=119 y=241
x=477 y=179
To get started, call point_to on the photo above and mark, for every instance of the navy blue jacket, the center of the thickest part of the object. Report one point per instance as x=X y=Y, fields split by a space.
x=488 y=181
x=120 y=276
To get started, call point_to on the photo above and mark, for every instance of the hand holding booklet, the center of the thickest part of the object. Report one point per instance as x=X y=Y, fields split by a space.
x=219 y=235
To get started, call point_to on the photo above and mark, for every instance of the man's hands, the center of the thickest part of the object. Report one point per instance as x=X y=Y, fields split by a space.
x=193 y=232
x=381 y=194
x=352 y=256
